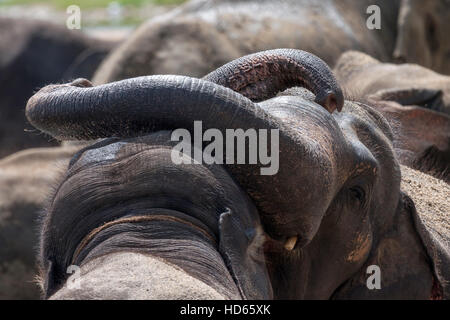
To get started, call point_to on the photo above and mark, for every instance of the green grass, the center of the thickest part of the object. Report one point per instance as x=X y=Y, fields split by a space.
x=88 y=4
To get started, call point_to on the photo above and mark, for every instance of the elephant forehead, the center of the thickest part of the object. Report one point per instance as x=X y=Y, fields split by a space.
x=362 y=118
x=298 y=114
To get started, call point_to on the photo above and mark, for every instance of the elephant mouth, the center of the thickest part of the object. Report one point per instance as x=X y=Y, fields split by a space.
x=285 y=244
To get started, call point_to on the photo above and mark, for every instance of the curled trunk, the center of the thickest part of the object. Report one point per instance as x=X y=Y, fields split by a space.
x=262 y=75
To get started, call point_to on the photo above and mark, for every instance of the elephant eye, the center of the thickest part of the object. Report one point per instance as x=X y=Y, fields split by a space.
x=358 y=194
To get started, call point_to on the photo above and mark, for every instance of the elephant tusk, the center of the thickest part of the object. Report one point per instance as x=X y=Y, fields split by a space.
x=290 y=243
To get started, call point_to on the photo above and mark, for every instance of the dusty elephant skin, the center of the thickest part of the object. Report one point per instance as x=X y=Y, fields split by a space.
x=25 y=180
x=139 y=203
x=204 y=34
x=415 y=101
x=32 y=55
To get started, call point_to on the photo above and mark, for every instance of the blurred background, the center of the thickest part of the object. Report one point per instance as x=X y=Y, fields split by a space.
x=129 y=38
x=98 y=16
x=56 y=53
x=96 y=13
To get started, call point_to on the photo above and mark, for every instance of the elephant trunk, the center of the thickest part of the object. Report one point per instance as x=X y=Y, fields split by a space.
x=262 y=75
x=139 y=105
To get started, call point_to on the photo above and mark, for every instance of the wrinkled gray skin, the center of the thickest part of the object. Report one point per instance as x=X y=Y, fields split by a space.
x=25 y=180
x=202 y=35
x=32 y=55
x=163 y=240
x=337 y=190
x=415 y=101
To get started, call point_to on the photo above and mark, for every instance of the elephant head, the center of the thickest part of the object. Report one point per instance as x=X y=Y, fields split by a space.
x=333 y=206
x=416 y=102
x=139 y=106
x=142 y=212
x=367 y=221
x=422 y=33
x=362 y=225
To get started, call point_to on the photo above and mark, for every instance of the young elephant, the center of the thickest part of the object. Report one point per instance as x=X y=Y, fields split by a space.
x=415 y=101
x=334 y=206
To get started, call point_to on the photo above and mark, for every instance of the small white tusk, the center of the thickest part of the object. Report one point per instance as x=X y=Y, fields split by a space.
x=290 y=243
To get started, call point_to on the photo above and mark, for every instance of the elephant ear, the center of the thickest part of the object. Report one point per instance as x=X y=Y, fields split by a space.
x=241 y=246
x=429 y=208
x=422 y=136
x=423 y=97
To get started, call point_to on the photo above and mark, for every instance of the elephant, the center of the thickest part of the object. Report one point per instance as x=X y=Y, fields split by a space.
x=25 y=180
x=34 y=53
x=423 y=34
x=125 y=215
x=204 y=34
x=414 y=99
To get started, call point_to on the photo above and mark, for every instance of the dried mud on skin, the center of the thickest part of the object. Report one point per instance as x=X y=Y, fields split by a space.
x=431 y=197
